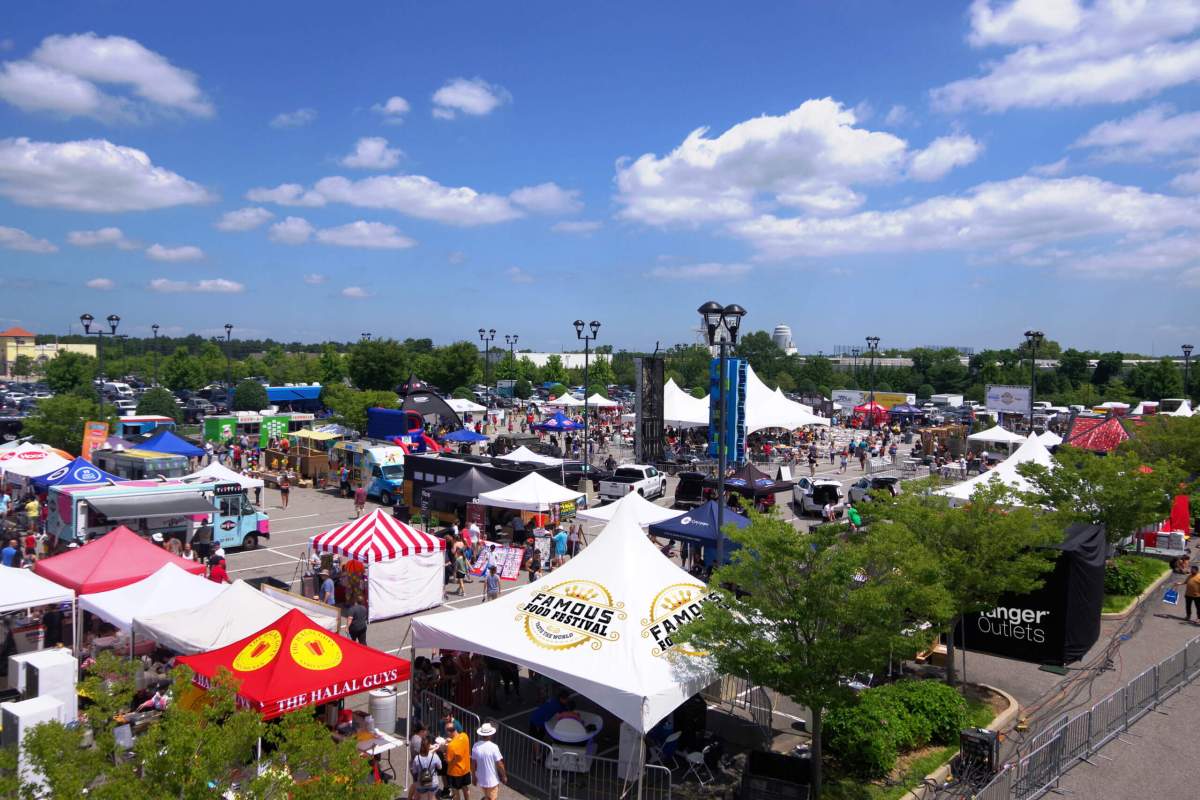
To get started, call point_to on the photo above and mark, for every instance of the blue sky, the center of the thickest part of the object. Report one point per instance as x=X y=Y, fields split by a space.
x=931 y=173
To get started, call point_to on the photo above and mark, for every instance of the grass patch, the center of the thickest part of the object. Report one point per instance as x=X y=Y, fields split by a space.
x=1147 y=569
x=914 y=766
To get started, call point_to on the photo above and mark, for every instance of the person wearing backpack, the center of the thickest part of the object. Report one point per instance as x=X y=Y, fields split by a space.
x=425 y=767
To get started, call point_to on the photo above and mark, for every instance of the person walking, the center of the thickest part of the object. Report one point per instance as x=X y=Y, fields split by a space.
x=360 y=500
x=491 y=585
x=460 y=571
x=285 y=489
x=458 y=762
x=357 y=614
x=487 y=763
x=425 y=768
x=1191 y=594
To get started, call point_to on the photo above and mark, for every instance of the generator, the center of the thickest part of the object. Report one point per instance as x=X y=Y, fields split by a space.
x=979 y=751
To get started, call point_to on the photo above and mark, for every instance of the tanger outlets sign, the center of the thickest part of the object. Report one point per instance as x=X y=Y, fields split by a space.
x=569 y=614
x=1019 y=624
x=671 y=609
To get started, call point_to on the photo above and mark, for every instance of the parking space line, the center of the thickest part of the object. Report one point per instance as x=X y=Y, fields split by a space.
x=276 y=552
x=299 y=516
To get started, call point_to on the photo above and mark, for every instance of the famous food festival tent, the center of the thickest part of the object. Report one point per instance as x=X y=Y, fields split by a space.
x=523 y=453
x=292 y=664
x=405 y=565
x=217 y=472
x=238 y=611
x=116 y=559
x=1031 y=451
x=644 y=511
x=169 y=589
x=76 y=473
x=21 y=589
x=600 y=625
x=531 y=493
x=166 y=441
x=681 y=410
x=997 y=435
x=26 y=461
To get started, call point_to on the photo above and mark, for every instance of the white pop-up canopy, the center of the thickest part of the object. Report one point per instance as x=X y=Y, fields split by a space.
x=169 y=589
x=461 y=406
x=598 y=400
x=996 y=435
x=681 y=409
x=1030 y=451
x=601 y=625
x=566 y=401
x=645 y=512
x=21 y=589
x=219 y=473
x=28 y=460
x=531 y=493
x=523 y=453
x=237 y=612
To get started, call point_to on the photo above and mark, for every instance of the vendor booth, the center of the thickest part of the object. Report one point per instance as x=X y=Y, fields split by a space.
x=169 y=589
x=21 y=464
x=404 y=565
x=116 y=559
x=644 y=511
x=167 y=442
x=698 y=527
x=1098 y=434
x=292 y=664
x=995 y=436
x=20 y=592
x=531 y=493
x=1031 y=451
x=524 y=454
x=456 y=493
x=217 y=472
x=558 y=422
x=77 y=473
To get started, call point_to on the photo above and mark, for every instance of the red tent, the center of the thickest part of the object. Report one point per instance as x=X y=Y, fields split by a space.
x=116 y=559
x=1181 y=515
x=293 y=663
x=376 y=537
x=1099 y=434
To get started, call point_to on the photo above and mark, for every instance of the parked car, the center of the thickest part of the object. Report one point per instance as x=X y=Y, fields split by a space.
x=645 y=480
x=575 y=472
x=864 y=487
x=507 y=442
x=689 y=492
x=810 y=495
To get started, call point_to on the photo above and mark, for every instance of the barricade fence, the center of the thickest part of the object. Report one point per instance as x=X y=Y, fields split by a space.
x=1070 y=740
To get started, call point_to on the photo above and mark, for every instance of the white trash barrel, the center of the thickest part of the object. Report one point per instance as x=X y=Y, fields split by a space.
x=384 y=709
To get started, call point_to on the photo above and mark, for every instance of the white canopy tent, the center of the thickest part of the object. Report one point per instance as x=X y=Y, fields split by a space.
x=219 y=473
x=682 y=410
x=645 y=512
x=169 y=589
x=237 y=612
x=27 y=460
x=1184 y=410
x=461 y=406
x=531 y=493
x=599 y=401
x=21 y=589
x=1030 y=451
x=768 y=409
x=600 y=625
x=1049 y=438
x=997 y=435
x=566 y=401
x=523 y=453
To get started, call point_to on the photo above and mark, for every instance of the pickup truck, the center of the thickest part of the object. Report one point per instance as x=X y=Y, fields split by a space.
x=646 y=481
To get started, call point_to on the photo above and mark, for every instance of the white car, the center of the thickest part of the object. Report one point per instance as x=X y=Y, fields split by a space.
x=645 y=480
x=810 y=495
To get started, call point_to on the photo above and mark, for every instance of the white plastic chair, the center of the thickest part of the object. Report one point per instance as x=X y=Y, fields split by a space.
x=696 y=763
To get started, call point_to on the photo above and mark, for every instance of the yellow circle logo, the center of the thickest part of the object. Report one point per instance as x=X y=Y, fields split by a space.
x=261 y=651
x=315 y=650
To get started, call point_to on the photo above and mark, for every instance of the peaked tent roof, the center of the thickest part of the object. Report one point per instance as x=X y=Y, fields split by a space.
x=291 y=664
x=169 y=589
x=681 y=409
x=463 y=406
x=1030 y=451
x=523 y=453
x=699 y=524
x=997 y=435
x=749 y=479
x=117 y=444
x=80 y=471
x=465 y=487
x=566 y=401
x=598 y=400
x=167 y=442
x=376 y=537
x=646 y=512
x=116 y=559
x=768 y=409
x=1099 y=434
x=28 y=460
x=217 y=472
x=559 y=422
x=1049 y=438
x=464 y=435
x=531 y=493
x=20 y=588
x=1184 y=410
x=600 y=624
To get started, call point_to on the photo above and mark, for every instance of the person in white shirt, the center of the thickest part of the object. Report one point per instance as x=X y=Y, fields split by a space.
x=487 y=764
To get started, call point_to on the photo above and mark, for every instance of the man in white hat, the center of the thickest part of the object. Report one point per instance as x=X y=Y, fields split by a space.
x=487 y=764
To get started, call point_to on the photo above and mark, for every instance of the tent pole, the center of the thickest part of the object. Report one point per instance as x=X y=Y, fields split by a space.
x=408 y=723
x=641 y=778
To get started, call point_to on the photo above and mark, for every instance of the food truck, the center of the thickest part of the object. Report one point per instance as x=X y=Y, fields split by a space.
x=219 y=513
x=379 y=467
x=135 y=464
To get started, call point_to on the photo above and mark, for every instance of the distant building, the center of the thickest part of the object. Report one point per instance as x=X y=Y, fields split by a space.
x=782 y=337
x=569 y=360
x=17 y=342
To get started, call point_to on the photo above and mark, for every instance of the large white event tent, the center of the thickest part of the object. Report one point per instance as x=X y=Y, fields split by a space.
x=1049 y=438
x=767 y=409
x=237 y=612
x=1030 y=451
x=997 y=435
x=566 y=401
x=531 y=493
x=600 y=625
x=598 y=400
x=219 y=473
x=681 y=410
x=523 y=453
x=1184 y=410
x=646 y=512
x=21 y=589
x=169 y=589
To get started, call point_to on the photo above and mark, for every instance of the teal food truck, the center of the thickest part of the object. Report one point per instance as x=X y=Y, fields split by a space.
x=379 y=467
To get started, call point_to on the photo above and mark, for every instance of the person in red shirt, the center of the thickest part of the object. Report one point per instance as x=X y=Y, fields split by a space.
x=218 y=574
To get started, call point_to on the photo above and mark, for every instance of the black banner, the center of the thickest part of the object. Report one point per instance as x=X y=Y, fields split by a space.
x=648 y=433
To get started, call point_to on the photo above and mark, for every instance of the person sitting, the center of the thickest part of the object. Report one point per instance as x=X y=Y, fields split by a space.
x=546 y=712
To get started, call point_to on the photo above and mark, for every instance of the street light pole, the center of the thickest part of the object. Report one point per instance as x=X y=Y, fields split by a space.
x=854 y=351
x=1034 y=338
x=1187 y=372
x=154 y=328
x=594 y=326
x=730 y=317
x=873 y=347
x=229 y=362
x=511 y=339
x=486 y=337
x=366 y=337
x=87 y=320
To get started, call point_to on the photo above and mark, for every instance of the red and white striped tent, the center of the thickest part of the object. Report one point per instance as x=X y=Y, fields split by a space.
x=404 y=565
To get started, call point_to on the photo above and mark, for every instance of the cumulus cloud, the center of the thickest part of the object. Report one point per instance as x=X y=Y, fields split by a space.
x=392 y=110
x=942 y=155
x=547 y=198
x=1188 y=182
x=1066 y=53
x=102 y=237
x=101 y=284
x=211 y=286
x=582 y=227
x=355 y=293
x=186 y=252
x=1150 y=134
x=17 y=239
x=372 y=152
x=475 y=97
x=315 y=278
x=420 y=197
x=897 y=116
x=300 y=118
x=371 y=235
x=286 y=194
x=291 y=230
x=709 y=271
x=518 y=275
x=1052 y=169
x=65 y=73
x=244 y=219
x=90 y=175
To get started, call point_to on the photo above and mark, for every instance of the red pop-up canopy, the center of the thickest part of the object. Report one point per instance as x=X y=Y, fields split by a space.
x=293 y=663
x=116 y=559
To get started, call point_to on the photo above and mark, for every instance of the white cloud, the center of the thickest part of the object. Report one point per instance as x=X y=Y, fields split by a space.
x=1188 y=182
x=942 y=155
x=62 y=76
x=286 y=194
x=518 y=275
x=17 y=239
x=582 y=227
x=418 y=196
x=709 y=270
x=112 y=237
x=90 y=175
x=1051 y=170
x=300 y=118
x=392 y=110
x=244 y=219
x=372 y=152
x=315 y=278
x=897 y=116
x=1111 y=51
x=475 y=97
x=1150 y=134
x=292 y=230
x=211 y=286
x=101 y=284
x=372 y=235
x=1024 y=213
x=186 y=252
x=1136 y=258
x=456 y=257
x=547 y=198
x=355 y=293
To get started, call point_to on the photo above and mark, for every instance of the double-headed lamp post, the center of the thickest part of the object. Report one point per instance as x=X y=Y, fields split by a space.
x=1034 y=338
x=366 y=336
x=113 y=321
x=1187 y=371
x=487 y=337
x=587 y=339
x=715 y=317
x=229 y=362
x=154 y=328
x=873 y=349
x=511 y=340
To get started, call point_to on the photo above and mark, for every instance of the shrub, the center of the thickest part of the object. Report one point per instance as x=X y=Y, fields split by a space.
x=557 y=390
x=940 y=707
x=1121 y=577
x=249 y=396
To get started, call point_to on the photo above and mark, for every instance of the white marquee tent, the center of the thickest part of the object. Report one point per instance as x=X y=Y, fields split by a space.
x=600 y=625
x=1184 y=410
x=531 y=493
x=599 y=401
x=1049 y=438
x=21 y=589
x=997 y=435
x=219 y=473
x=566 y=401
x=1030 y=451
x=169 y=589
x=768 y=409
x=645 y=512
x=523 y=453
x=682 y=410
x=461 y=406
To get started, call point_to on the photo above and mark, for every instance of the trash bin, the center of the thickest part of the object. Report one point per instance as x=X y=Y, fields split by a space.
x=402 y=512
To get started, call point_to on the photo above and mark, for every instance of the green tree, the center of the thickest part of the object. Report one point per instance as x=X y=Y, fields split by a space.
x=159 y=401
x=1172 y=439
x=182 y=371
x=22 y=366
x=69 y=372
x=760 y=350
x=818 y=609
x=250 y=396
x=457 y=364
x=522 y=389
x=1073 y=365
x=1156 y=380
x=350 y=405
x=699 y=392
x=378 y=364
x=624 y=369
x=1108 y=366
x=58 y=421
x=690 y=364
x=818 y=370
x=212 y=362
x=554 y=369
x=331 y=368
x=600 y=373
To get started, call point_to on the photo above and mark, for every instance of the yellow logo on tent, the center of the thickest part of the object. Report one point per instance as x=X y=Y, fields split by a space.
x=672 y=608
x=570 y=613
x=261 y=651
x=315 y=650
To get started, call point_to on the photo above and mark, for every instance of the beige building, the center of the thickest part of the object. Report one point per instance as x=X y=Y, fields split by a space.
x=17 y=342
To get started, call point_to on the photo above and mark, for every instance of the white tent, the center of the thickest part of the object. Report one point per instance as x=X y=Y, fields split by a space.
x=27 y=460
x=779 y=393
x=682 y=410
x=997 y=435
x=169 y=589
x=600 y=625
x=531 y=493
x=1049 y=438
x=1030 y=451
x=237 y=612
x=1184 y=410
x=461 y=406
x=523 y=453
x=219 y=473
x=566 y=401
x=599 y=401
x=21 y=589
x=768 y=409
x=645 y=512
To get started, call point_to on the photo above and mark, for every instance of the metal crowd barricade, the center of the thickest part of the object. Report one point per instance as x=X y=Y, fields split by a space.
x=1039 y=771
x=1141 y=695
x=1191 y=659
x=1171 y=671
x=1106 y=720
x=527 y=760
x=596 y=778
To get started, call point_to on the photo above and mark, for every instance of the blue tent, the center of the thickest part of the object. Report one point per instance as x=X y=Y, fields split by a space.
x=559 y=422
x=699 y=527
x=464 y=435
x=167 y=442
x=77 y=472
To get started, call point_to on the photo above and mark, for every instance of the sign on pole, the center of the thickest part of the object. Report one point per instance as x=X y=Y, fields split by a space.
x=94 y=434
x=1008 y=399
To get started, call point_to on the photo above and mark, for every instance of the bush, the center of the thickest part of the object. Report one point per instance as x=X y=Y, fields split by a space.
x=557 y=390
x=249 y=396
x=1121 y=577
x=939 y=705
